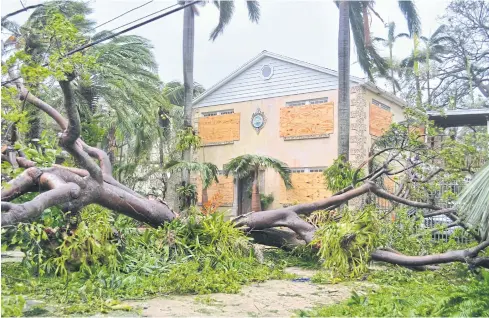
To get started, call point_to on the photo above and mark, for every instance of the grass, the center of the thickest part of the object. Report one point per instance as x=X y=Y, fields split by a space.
x=405 y=293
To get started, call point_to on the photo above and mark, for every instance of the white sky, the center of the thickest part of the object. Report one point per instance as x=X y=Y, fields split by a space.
x=304 y=30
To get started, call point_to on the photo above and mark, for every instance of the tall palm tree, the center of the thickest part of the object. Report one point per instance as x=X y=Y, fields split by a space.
x=392 y=37
x=434 y=48
x=355 y=14
x=246 y=166
x=226 y=10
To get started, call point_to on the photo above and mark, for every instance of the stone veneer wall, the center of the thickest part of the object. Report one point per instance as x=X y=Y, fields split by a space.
x=359 y=140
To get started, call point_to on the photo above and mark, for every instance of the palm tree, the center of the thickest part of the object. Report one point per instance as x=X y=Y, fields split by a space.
x=473 y=202
x=37 y=46
x=392 y=37
x=175 y=92
x=208 y=173
x=245 y=166
x=355 y=14
x=124 y=81
x=226 y=10
x=434 y=48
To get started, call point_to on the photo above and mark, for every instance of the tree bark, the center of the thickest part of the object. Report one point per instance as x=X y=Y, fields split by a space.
x=255 y=193
x=73 y=188
x=205 y=196
x=188 y=75
x=344 y=81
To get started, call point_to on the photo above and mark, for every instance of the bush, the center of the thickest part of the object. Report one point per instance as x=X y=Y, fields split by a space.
x=108 y=259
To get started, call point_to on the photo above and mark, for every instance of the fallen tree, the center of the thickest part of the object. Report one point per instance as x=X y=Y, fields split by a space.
x=73 y=188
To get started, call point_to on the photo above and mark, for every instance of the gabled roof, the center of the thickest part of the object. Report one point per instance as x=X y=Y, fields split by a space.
x=321 y=69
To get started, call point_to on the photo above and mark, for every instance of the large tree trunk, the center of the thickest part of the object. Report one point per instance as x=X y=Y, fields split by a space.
x=188 y=75
x=73 y=188
x=344 y=81
x=255 y=193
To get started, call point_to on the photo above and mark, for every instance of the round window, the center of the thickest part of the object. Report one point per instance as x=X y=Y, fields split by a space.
x=266 y=71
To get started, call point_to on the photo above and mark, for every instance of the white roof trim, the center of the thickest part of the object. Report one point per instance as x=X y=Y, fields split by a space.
x=389 y=96
x=276 y=56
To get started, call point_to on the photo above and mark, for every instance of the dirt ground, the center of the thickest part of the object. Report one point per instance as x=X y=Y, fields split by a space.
x=275 y=298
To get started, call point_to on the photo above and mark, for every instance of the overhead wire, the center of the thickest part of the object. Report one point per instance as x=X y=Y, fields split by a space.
x=144 y=17
x=121 y=15
x=111 y=36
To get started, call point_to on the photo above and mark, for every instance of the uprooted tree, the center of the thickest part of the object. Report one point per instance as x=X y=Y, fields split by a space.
x=397 y=154
x=401 y=155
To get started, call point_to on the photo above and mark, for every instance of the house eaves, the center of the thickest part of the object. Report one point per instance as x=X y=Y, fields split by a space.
x=389 y=96
x=262 y=55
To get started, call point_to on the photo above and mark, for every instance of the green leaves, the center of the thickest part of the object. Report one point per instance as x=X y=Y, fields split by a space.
x=340 y=175
x=473 y=202
x=345 y=246
x=244 y=166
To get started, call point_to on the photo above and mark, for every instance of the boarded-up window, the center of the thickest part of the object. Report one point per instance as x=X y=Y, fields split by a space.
x=225 y=187
x=217 y=129
x=307 y=187
x=307 y=120
x=380 y=120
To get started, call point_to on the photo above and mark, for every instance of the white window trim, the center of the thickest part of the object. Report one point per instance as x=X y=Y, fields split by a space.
x=381 y=105
x=311 y=101
x=271 y=71
x=307 y=169
x=218 y=113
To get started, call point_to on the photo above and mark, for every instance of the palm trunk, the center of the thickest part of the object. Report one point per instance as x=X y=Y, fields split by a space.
x=188 y=75
x=392 y=70
x=111 y=144
x=35 y=124
x=428 y=85
x=418 y=91
x=344 y=81
x=205 y=196
x=419 y=98
x=255 y=194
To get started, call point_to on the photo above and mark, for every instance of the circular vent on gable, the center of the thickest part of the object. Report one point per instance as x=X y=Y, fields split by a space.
x=266 y=71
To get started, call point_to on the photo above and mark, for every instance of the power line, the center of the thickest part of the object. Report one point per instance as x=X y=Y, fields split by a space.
x=144 y=17
x=86 y=46
x=121 y=15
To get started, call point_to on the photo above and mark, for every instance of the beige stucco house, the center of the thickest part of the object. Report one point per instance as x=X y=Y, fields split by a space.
x=285 y=108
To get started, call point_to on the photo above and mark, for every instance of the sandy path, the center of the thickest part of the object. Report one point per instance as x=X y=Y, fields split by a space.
x=276 y=298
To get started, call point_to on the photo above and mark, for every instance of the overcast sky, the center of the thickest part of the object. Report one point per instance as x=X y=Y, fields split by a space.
x=304 y=30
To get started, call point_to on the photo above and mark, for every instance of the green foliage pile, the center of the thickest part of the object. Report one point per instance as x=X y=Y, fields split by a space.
x=104 y=260
x=406 y=293
x=345 y=245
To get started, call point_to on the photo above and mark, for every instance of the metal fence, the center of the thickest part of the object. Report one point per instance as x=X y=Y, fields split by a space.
x=436 y=198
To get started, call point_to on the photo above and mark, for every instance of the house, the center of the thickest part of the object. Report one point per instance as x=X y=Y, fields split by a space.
x=287 y=109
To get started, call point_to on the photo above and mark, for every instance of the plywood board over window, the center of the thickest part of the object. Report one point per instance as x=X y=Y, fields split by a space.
x=219 y=129
x=380 y=120
x=307 y=120
x=307 y=187
x=225 y=187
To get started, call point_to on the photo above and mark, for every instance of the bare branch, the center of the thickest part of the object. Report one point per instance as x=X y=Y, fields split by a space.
x=448 y=257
